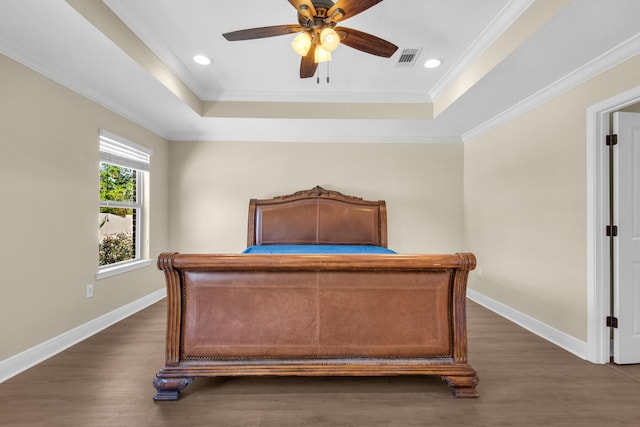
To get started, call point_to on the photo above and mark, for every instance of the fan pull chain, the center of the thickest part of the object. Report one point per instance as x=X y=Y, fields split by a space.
x=318 y=74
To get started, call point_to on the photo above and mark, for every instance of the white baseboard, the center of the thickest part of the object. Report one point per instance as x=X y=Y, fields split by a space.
x=22 y=361
x=559 y=338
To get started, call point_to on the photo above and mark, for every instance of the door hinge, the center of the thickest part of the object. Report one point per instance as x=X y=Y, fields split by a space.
x=612 y=230
x=612 y=139
x=612 y=322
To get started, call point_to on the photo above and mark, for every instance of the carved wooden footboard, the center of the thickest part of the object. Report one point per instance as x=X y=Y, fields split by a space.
x=235 y=315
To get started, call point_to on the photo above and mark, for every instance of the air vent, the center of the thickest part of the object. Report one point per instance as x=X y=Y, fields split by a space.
x=408 y=57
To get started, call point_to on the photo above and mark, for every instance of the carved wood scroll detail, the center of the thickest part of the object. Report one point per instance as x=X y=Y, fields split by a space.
x=317 y=191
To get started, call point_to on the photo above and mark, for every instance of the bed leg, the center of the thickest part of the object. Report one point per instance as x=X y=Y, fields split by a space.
x=170 y=388
x=462 y=386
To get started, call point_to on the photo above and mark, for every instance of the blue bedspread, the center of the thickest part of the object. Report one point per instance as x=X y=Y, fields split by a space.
x=317 y=249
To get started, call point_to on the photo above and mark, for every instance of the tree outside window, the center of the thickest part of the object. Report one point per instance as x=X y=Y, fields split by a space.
x=119 y=214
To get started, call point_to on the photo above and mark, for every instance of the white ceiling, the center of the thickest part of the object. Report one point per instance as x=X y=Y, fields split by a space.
x=64 y=42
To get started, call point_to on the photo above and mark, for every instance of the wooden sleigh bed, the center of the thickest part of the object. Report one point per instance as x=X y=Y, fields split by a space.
x=317 y=313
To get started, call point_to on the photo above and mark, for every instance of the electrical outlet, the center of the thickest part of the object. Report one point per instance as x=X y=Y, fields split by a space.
x=89 y=290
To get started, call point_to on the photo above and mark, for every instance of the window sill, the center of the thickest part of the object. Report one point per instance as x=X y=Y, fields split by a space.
x=122 y=268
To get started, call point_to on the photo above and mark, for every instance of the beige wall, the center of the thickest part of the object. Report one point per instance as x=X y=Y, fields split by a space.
x=525 y=205
x=212 y=182
x=49 y=221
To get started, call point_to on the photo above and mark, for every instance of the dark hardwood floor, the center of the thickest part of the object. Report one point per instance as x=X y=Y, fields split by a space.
x=524 y=381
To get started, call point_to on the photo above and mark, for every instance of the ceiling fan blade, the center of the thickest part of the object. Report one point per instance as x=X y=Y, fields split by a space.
x=307 y=9
x=262 y=32
x=366 y=42
x=308 y=65
x=351 y=7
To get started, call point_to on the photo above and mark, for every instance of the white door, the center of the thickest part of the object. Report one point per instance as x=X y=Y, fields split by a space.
x=626 y=346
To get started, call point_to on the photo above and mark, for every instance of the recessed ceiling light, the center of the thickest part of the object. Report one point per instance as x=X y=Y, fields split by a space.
x=202 y=60
x=432 y=63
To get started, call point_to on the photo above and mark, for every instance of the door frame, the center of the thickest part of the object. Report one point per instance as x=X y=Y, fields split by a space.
x=598 y=268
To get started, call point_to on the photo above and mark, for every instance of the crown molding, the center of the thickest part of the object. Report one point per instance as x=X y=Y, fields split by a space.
x=318 y=96
x=159 y=48
x=33 y=63
x=613 y=57
x=303 y=137
x=496 y=27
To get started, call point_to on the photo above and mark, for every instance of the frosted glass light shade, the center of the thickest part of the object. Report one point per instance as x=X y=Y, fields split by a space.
x=301 y=43
x=322 y=54
x=329 y=39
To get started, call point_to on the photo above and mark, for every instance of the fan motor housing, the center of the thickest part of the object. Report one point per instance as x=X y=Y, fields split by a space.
x=321 y=7
x=323 y=4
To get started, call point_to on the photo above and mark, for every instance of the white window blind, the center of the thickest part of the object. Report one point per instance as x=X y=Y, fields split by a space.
x=120 y=151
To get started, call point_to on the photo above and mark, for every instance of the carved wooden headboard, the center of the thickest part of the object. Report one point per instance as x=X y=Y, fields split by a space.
x=315 y=217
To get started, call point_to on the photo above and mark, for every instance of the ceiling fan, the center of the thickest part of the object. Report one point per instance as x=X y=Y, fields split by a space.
x=319 y=33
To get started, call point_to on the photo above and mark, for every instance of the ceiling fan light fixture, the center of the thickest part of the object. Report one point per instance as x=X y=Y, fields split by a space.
x=329 y=39
x=322 y=55
x=301 y=43
x=313 y=17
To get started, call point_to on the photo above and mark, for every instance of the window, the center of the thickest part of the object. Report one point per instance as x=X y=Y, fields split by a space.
x=124 y=169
